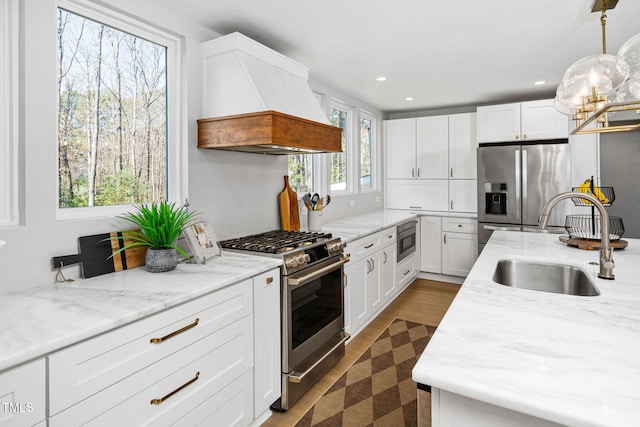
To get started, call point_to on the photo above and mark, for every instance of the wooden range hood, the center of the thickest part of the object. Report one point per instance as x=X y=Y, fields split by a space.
x=268 y=132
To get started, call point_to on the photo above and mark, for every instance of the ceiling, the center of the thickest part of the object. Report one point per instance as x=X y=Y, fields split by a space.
x=446 y=53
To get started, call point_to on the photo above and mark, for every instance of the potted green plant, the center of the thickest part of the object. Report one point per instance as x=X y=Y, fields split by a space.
x=160 y=225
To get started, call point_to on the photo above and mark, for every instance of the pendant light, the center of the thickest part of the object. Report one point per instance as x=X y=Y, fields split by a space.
x=598 y=85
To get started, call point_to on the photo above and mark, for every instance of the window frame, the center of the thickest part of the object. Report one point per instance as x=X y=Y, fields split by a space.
x=351 y=162
x=176 y=171
x=374 y=157
x=9 y=129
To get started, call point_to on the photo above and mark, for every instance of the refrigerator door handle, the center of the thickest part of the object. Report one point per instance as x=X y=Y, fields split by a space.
x=525 y=183
x=518 y=182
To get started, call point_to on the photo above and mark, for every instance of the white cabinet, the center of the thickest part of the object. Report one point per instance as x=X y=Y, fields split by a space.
x=266 y=327
x=371 y=278
x=459 y=245
x=355 y=296
x=429 y=194
x=389 y=284
x=400 y=139
x=23 y=395
x=432 y=147
x=533 y=120
x=462 y=146
x=449 y=245
x=463 y=195
x=422 y=173
x=431 y=246
x=185 y=365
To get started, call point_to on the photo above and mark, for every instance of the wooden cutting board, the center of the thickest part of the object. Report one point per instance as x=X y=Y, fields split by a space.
x=288 y=203
x=94 y=253
x=590 y=244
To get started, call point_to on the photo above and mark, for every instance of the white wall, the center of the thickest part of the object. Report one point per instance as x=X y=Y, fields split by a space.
x=26 y=260
x=236 y=192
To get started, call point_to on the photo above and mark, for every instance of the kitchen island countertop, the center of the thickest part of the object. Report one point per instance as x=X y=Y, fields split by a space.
x=46 y=318
x=568 y=359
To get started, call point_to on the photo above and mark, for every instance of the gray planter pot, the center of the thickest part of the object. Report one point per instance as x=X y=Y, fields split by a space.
x=160 y=260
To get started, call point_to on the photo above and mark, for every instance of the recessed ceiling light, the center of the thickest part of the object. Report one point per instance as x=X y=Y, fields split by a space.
x=381 y=78
x=540 y=82
x=409 y=98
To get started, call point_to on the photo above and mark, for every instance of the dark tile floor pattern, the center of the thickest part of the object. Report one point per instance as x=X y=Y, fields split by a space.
x=377 y=390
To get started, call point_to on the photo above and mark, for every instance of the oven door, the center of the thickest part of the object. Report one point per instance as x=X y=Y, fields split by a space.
x=312 y=310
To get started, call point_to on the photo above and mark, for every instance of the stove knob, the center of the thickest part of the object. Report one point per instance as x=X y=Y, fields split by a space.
x=306 y=258
x=302 y=259
x=291 y=263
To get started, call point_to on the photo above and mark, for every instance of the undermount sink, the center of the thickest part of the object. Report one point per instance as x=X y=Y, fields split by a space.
x=545 y=277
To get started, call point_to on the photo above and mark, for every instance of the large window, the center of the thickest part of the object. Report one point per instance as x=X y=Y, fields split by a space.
x=339 y=162
x=367 y=152
x=114 y=144
x=8 y=112
x=301 y=173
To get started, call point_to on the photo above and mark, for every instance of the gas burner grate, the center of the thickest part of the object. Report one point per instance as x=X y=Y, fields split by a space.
x=275 y=242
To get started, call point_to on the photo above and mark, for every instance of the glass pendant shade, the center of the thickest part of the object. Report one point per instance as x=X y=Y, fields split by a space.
x=630 y=90
x=630 y=53
x=603 y=72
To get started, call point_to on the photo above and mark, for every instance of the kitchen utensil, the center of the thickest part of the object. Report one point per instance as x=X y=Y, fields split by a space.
x=307 y=200
x=328 y=198
x=314 y=201
x=288 y=202
x=320 y=204
x=95 y=255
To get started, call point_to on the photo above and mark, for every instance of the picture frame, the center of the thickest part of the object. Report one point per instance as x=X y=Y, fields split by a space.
x=201 y=242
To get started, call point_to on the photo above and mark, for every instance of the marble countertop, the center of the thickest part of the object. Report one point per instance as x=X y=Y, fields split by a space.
x=43 y=319
x=569 y=359
x=354 y=227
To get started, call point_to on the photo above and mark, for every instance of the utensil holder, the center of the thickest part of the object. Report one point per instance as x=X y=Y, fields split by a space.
x=314 y=220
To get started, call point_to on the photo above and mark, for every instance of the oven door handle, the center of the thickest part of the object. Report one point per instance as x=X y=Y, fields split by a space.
x=296 y=281
x=297 y=377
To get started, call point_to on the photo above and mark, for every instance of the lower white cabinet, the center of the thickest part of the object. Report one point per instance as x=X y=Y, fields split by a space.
x=389 y=284
x=23 y=395
x=214 y=359
x=372 y=280
x=449 y=245
x=266 y=328
x=355 y=296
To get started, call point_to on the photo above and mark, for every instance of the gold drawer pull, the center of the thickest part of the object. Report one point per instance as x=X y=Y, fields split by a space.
x=269 y=280
x=162 y=399
x=173 y=334
x=368 y=246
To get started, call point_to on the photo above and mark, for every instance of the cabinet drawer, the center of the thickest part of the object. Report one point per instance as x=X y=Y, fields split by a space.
x=406 y=271
x=22 y=394
x=388 y=236
x=85 y=369
x=365 y=246
x=460 y=225
x=170 y=389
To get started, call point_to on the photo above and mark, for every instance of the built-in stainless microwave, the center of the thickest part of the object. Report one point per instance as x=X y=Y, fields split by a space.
x=406 y=239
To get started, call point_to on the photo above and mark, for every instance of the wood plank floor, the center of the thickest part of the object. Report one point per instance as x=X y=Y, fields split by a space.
x=424 y=301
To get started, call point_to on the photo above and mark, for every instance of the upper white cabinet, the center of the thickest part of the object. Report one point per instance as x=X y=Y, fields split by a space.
x=462 y=146
x=533 y=120
x=431 y=163
x=417 y=148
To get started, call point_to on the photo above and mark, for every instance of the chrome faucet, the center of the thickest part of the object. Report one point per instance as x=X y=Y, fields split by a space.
x=606 y=251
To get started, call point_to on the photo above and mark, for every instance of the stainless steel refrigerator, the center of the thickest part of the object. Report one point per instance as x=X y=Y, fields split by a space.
x=514 y=183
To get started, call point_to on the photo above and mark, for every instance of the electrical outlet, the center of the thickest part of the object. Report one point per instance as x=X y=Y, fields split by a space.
x=378 y=199
x=352 y=203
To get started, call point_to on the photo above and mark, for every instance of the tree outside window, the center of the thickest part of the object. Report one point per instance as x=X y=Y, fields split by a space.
x=112 y=115
x=301 y=173
x=338 y=161
x=366 y=144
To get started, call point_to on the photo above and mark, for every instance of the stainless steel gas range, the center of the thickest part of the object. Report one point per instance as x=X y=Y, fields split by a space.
x=312 y=303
